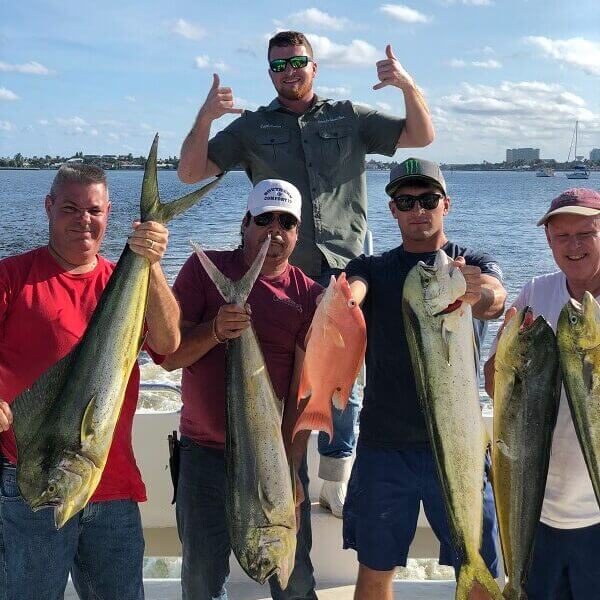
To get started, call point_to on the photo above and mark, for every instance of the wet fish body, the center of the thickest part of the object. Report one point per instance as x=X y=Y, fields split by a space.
x=526 y=395
x=65 y=422
x=442 y=349
x=334 y=355
x=260 y=499
x=578 y=336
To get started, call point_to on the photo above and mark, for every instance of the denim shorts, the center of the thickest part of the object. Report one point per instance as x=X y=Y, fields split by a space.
x=383 y=502
x=565 y=564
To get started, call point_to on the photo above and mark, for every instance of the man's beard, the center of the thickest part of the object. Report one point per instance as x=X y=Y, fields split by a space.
x=296 y=93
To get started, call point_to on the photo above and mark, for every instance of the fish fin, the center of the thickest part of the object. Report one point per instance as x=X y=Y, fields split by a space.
x=231 y=291
x=87 y=425
x=315 y=418
x=476 y=571
x=512 y=593
x=32 y=406
x=334 y=334
x=151 y=208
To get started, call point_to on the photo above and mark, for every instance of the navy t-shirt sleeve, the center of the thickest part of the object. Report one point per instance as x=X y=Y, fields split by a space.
x=487 y=264
x=359 y=267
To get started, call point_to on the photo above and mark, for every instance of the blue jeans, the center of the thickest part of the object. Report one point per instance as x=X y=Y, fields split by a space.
x=202 y=526
x=102 y=547
x=344 y=422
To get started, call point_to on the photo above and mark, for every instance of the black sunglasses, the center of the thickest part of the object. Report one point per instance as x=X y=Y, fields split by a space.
x=278 y=65
x=286 y=220
x=428 y=201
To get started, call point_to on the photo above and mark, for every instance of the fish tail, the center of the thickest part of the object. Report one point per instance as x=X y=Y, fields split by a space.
x=514 y=593
x=476 y=571
x=316 y=416
x=151 y=208
x=233 y=291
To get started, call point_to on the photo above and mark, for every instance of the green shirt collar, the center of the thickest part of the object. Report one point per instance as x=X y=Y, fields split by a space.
x=276 y=105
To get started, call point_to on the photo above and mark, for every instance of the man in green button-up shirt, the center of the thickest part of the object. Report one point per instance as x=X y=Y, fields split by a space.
x=319 y=145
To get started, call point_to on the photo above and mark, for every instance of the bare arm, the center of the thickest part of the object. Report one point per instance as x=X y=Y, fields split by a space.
x=418 y=128
x=194 y=164
x=485 y=293
x=149 y=239
x=6 y=417
x=197 y=339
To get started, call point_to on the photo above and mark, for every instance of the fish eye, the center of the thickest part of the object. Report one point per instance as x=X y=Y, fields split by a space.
x=352 y=303
x=573 y=319
x=52 y=489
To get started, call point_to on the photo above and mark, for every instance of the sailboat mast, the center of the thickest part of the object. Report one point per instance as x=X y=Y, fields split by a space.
x=576 y=128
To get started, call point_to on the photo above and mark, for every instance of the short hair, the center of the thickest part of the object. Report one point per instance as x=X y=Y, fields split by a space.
x=289 y=38
x=77 y=173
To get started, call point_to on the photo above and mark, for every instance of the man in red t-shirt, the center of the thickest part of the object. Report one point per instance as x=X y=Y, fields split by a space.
x=47 y=297
x=281 y=307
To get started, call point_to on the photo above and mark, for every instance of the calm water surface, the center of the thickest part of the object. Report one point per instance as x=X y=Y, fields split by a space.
x=492 y=211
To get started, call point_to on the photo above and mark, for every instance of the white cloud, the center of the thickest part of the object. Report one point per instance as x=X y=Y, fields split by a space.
x=469 y=2
x=384 y=106
x=337 y=92
x=365 y=104
x=6 y=126
x=487 y=64
x=43 y=122
x=130 y=98
x=313 y=17
x=188 y=30
x=71 y=122
x=204 y=62
x=578 y=52
x=245 y=104
x=357 y=53
x=6 y=94
x=30 y=68
x=404 y=14
x=459 y=63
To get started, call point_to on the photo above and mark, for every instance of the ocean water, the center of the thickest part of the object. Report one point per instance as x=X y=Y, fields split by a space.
x=492 y=211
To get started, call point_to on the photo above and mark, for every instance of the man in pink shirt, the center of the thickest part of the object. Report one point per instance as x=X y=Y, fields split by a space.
x=280 y=307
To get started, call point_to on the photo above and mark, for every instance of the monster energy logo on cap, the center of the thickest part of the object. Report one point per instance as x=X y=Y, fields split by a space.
x=415 y=170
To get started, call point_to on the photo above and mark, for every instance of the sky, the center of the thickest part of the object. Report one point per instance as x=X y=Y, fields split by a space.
x=102 y=78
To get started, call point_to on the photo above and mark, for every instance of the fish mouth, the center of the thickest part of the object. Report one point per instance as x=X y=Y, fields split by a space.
x=39 y=504
x=527 y=321
x=450 y=308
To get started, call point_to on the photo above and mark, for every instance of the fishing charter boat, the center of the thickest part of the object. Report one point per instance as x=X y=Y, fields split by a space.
x=545 y=172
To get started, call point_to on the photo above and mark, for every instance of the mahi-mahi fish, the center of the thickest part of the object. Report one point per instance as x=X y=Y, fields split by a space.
x=526 y=394
x=439 y=330
x=259 y=496
x=64 y=423
x=578 y=336
x=335 y=351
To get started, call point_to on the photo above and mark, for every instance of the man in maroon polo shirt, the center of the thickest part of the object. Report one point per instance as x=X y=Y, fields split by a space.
x=281 y=307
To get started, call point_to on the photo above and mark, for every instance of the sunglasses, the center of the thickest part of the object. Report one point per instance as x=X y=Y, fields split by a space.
x=278 y=65
x=428 y=201
x=286 y=220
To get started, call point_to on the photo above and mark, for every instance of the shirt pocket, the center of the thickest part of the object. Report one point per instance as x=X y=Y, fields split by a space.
x=336 y=144
x=273 y=144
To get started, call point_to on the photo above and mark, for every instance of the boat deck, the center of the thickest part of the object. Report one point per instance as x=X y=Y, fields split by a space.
x=170 y=589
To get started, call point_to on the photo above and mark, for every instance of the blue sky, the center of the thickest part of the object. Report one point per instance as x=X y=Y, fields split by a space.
x=103 y=78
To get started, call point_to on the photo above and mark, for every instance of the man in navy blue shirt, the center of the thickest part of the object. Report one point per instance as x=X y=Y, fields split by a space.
x=395 y=468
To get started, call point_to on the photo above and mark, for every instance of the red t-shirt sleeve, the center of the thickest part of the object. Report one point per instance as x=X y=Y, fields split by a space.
x=189 y=289
x=310 y=305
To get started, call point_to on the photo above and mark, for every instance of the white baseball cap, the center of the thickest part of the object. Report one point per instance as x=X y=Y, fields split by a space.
x=275 y=195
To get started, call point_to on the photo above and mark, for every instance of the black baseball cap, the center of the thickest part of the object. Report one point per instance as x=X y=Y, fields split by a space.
x=415 y=170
